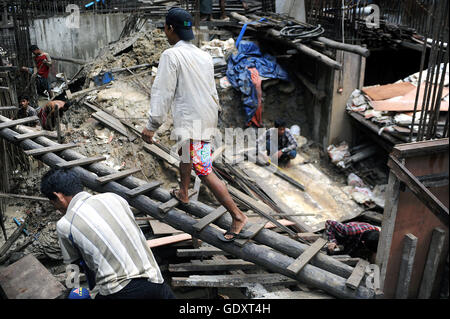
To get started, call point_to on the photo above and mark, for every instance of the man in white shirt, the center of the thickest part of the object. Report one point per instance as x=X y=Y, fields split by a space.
x=99 y=233
x=185 y=82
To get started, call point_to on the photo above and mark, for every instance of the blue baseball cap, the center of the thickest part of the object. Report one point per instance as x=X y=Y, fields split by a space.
x=79 y=293
x=181 y=20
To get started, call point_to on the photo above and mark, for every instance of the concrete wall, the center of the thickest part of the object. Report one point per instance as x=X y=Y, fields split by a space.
x=293 y=8
x=55 y=36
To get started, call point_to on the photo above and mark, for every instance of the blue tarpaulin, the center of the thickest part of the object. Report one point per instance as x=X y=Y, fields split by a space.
x=249 y=56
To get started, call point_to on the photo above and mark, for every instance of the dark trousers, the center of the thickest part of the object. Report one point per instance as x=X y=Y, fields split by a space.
x=141 y=288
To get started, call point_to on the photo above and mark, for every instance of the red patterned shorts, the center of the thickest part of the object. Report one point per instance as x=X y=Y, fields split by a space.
x=201 y=157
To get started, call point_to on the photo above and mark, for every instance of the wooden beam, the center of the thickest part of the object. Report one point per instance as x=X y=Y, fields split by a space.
x=85 y=91
x=165 y=207
x=81 y=162
x=152 y=243
x=418 y=189
x=345 y=47
x=13 y=123
x=434 y=258
x=210 y=218
x=406 y=266
x=116 y=176
x=31 y=135
x=304 y=258
x=11 y=240
x=253 y=230
x=5 y=195
x=416 y=149
x=148 y=187
x=201 y=252
x=212 y=265
x=8 y=108
x=357 y=275
x=231 y=281
x=50 y=149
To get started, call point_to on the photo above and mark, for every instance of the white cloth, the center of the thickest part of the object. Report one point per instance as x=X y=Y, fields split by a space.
x=185 y=82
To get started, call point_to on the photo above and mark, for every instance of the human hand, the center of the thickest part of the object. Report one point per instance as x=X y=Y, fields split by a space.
x=331 y=246
x=279 y=153
x=147 y=136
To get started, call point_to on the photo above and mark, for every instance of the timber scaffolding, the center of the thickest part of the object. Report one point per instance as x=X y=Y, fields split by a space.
x=271 y=250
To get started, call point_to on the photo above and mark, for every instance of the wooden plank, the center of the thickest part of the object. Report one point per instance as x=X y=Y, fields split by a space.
x=8 y=108
x=211 y=217
x=27 y=278
x=434 y=258
x=231 y=281
x=11 y=240
x=165 y=207
x=213 y=265
x=111 y=122
x=416 y=149
x=201 y=252
x=167 y=240
x=307 y=255
x=5 y=195
x=81 y=162
x=406 y=266
x=418 y=189
x=13 y=123
x=357 y=275
x=32 y=135
x=253 y=230
x=160 y=228
x=155 y=150
x=384 y=92
x=148 y=187
x=116 y=176
x=50 y=149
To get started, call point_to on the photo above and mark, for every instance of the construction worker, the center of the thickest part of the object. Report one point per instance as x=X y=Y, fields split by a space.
x=186 y=77
x=48 y=116
x=358 y=239
x=40 y=71
x=286 y=149
x=26 y=110
x=99 y=233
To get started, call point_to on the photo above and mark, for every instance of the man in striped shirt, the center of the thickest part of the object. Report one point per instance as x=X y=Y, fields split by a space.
x=99 y=233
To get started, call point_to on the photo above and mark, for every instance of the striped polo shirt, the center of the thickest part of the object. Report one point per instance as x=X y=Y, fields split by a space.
x=109 y=240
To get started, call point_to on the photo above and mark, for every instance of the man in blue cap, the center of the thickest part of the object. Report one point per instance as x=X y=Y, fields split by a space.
x=185 y=83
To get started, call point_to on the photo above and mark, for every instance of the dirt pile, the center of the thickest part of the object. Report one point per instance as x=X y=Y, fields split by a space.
x=143 y=48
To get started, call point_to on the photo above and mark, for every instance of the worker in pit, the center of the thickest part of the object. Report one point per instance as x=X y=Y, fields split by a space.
x=185 y=82
x=99 y=233
x=279 y=142
x=47 y=114
x=356 y=239
x=26 y=110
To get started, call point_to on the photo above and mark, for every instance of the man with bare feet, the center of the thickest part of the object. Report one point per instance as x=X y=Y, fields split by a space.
x=185 y=82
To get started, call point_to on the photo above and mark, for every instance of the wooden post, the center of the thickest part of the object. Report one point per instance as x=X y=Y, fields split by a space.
x=58 y=126
x=434 y=258
x=387 y=226
x=406 y=266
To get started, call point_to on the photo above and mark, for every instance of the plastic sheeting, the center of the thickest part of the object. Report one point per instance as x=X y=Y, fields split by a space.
x=238 y=74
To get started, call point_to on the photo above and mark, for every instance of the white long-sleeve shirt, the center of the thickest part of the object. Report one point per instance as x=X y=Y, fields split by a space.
x=185 y=82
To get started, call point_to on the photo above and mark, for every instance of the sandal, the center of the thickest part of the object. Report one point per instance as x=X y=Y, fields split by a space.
x=235 y=236
x=174 y=192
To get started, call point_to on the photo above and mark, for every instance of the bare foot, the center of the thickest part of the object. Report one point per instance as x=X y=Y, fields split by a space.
x=180 y=195
x=237 y=224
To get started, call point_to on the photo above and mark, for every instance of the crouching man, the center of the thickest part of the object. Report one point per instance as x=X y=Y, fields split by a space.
x=99 y=233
